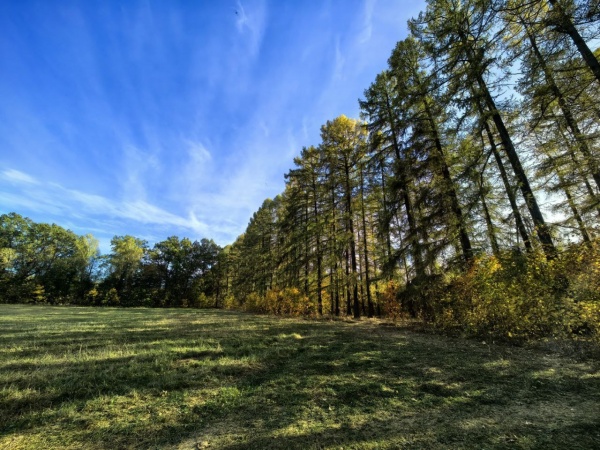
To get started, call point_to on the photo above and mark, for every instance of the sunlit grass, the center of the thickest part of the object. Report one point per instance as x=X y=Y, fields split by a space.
x=150 y=378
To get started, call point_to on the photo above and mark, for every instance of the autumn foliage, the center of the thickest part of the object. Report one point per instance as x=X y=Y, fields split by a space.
x=525 y=295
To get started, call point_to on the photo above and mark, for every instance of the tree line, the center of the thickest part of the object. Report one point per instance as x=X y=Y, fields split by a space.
x=473 y=175
x=42 y=263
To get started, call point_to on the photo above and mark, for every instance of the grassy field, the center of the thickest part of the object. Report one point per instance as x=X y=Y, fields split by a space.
x=87 y=378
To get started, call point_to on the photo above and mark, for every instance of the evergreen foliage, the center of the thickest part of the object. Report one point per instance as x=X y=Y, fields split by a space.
x=436 y=210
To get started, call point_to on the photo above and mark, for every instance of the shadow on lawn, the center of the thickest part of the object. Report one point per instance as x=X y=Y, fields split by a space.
x=437 y=397
x=302 y=385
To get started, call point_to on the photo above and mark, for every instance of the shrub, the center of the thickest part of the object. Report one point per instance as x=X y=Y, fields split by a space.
x=254 y=303
x=523 y=296
x=580 y=264
x=203 y=301
x=111 y=298
x=421 y=297
x=288 y=301
x=229 y=302
x=388 y=298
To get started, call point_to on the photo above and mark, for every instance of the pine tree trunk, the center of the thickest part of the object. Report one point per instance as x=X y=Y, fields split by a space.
x=567 y=27
x=387 y=219
x=408 y=206
x=568 y=115
x=490 y=225
x=318 y=249
x=465 y=242
x=336 y=287
x=588 y=187
x=581 y=225
x=306 y=250
x=532 y=205
x=348 y=295
x=507 y=187
x=352 y=243
x=371 y=311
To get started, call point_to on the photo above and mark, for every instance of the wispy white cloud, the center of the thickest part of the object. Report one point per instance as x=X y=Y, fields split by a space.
x=250 y=23
x=242 y=19
x=144 y=212
x=229 y=193
x=20 y=202
x=196 y=172
x=263 y=126
x=136 y=166
x=17 y=176
x=57 y=199
x=367 y=30
x=340 y=61
x=304 y=129
x=197 y=152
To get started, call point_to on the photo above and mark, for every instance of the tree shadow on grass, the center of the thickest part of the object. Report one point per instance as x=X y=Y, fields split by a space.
x=255 y=382
x=465 y=394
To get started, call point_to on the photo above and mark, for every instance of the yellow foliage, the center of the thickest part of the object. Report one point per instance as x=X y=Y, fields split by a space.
x=38 y=295
x=111 y=298
x=202 y=301
x=512 y=295
x=229 y=302
x=524 y=296
x=288 y=301
x=254 y=303
x=388 y=299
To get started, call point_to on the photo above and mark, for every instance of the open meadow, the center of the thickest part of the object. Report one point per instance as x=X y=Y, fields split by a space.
x=99 y=378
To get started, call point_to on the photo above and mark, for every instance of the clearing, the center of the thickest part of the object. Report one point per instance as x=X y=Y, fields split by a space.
x=98 y=378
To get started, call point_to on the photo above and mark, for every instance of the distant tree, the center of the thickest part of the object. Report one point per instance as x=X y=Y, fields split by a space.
x=43 y=263
x=124 y=263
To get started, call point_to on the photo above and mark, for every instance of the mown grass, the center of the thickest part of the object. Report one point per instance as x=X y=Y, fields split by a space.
x=149 y=378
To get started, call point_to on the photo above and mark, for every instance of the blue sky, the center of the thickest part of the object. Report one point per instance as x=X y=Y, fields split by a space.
x=161 y=118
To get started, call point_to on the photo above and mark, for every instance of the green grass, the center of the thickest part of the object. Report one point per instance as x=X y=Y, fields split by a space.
x=86 y=378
